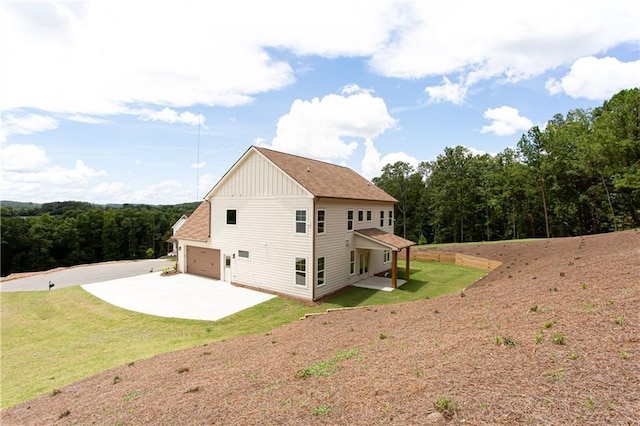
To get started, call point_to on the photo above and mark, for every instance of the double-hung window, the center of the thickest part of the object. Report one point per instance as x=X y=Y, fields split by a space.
x=301 y=271
x=360 y=215
x=320 y=222
x=352 y=262
x=390 y=217
x=368 y=215
x=381 y=218
x=320 y=280
x=301 y=221
x=387 y=256
x=349 y=220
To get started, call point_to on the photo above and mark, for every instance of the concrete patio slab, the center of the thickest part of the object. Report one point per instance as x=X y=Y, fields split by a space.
x=378 y=283
x=177 y=296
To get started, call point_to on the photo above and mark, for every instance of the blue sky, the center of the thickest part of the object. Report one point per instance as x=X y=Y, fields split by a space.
x=108 y=101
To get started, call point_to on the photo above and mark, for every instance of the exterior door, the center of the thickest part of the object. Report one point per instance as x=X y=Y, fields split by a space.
x=364 y=263
x=227 y=268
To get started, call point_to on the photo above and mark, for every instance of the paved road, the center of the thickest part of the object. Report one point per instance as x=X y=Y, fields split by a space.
x=85 y=275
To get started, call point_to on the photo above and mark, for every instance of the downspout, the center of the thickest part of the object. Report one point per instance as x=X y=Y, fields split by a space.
x=313 y=251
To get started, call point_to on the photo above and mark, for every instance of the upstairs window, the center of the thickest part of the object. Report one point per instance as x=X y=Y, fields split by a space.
x=349 y=220
x=360 y=215
x=232 y=217
x=368 y=215
x=390 y=217
x=301 y=221
x=321 y=221
x=381 y=218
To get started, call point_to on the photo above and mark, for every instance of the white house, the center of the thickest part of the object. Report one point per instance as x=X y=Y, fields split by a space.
x=172 y=243
x=291 y=225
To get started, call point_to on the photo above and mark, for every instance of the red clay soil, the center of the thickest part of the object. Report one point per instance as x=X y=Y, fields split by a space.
x=583 y=290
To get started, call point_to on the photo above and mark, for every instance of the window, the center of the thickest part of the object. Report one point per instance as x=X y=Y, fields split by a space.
x=368 y=215
x=320 y=271
x=349 y=220
x=301 y=221
x=390 y=217
x=301 y=271
x=360 y=215
x=231 y=217
x=352 y=262
x=320 y=221
x=243 y=253
x=386 y=256
x=381 y=218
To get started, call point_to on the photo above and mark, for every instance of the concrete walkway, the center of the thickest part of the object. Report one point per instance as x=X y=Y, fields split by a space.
x=177 y=296
x=378 y=283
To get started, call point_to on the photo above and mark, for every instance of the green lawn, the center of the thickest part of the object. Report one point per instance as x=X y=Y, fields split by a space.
x=52 y=338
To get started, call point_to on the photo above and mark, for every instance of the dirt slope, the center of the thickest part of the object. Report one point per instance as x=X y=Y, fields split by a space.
x=585 y=289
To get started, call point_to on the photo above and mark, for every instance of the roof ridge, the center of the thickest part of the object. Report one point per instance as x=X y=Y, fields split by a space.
x=305 y=158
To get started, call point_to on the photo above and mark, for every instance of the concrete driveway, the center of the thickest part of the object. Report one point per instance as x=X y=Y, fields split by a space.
x=138 y=286
x=177 y=296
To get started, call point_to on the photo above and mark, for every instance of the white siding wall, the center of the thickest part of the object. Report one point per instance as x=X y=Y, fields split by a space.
x=266 y=229
x=337 y=242
x=257 y=177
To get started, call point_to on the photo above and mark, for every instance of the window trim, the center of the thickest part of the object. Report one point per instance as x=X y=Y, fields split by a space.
x=297 y=272
x=349 y=220
x=321 y=271
x=235 y=217
x=386 y=256
x=240 y=256
x=369 y=216
x=323 y=221
x=360 y=215
x=304 y=223
x=390 y=217
x=381 y=218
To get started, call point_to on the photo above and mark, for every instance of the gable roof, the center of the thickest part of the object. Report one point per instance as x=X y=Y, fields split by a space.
x=325 y=180
x=393 y=242
x=197 y=225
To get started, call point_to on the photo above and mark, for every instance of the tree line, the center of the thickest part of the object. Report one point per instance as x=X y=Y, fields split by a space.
x=38 y=238
x=579 y=174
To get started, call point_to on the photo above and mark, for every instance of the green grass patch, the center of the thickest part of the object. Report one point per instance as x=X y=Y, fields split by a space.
x=53 y=338
x=325 y=368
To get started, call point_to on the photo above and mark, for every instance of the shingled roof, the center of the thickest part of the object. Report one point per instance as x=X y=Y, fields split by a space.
x=196 y=227
x=394 y=242
x=326 y=180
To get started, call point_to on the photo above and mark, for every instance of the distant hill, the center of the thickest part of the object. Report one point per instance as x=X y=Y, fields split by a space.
x=19 y=205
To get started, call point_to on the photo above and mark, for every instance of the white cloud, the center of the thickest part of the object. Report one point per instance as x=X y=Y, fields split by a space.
x=27 y=175
x=86 y=119
x=32 y=123
x=172 y=116
x=159 y=193
x=447 y=92
x=107 y=191
x=484 y=40
x=373 y=161
x=479 y=152
x=505 y=121
x=329 y=128
x=198 y=165
x=22 y=158
x=596 y=79
x=101 y=62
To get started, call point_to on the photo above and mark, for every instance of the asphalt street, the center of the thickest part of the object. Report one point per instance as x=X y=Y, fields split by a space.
x=86 y=274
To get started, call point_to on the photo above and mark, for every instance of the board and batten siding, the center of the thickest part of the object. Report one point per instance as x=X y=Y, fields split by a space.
x=258 y=177
x=337 y=242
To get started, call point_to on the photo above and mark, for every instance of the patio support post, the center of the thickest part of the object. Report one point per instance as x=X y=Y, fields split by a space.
x=407 y=270
x=394 y=269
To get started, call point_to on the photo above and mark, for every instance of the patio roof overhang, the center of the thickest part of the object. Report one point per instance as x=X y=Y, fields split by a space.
x=377 y=239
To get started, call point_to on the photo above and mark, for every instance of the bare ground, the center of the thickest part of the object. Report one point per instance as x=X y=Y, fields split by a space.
x=404 y=357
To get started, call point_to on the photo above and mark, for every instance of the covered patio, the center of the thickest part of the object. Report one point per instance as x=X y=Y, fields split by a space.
x=377 y=239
